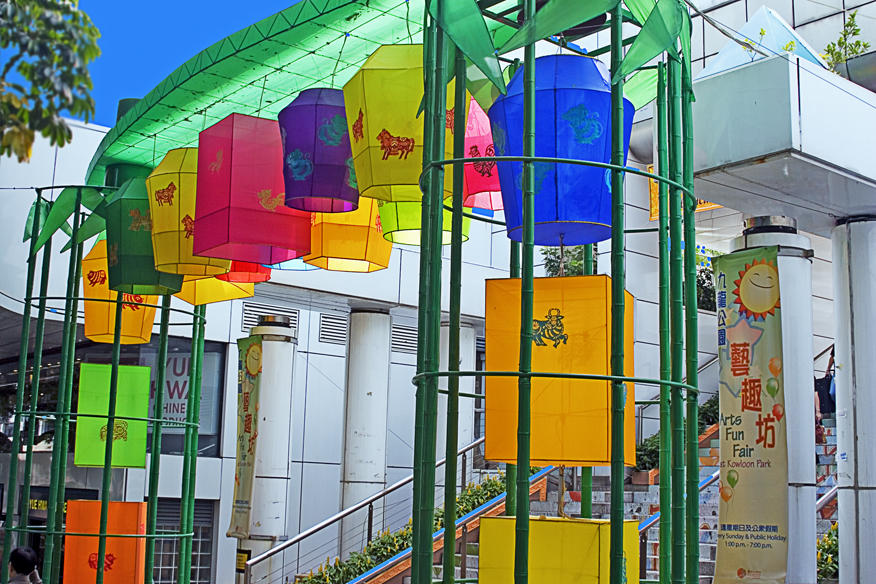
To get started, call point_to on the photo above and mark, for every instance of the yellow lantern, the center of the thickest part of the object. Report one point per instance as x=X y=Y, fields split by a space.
x=571 y=418
x=199 y=291
x=382 y=100
x=172 y=187
x=401 y=223
x=349 y=242
x=100 y=317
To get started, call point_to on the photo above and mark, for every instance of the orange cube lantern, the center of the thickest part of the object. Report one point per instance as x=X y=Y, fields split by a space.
x=571 y=418
x=125 y=557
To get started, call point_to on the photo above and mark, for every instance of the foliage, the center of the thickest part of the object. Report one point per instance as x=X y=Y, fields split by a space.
x=648 y=453
x=51 y=43
x=573 y=260
x=845 y=47
x=709 y=413
x=827 y=561
x=387 y=545
x=705 y=288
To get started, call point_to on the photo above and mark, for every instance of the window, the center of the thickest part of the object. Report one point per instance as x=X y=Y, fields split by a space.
x=167 y=550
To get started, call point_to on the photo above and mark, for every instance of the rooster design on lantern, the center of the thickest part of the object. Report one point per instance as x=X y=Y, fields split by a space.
x=484 y=167
x=395 y=145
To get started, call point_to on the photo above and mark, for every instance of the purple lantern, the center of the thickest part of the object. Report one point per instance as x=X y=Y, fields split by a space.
x=317 y=159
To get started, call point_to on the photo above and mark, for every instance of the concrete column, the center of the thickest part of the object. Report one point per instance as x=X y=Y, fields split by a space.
x=854 y=273
x=467 y=349
x=364 y=470
x=795 y=285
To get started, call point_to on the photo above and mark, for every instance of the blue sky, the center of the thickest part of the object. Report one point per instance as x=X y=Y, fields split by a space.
x=142 y=43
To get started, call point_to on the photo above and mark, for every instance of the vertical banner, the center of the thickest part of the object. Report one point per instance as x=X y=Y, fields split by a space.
x=753 y=509
x=248 y=377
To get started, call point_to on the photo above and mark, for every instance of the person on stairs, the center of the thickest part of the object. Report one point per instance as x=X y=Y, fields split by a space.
x=824 y=398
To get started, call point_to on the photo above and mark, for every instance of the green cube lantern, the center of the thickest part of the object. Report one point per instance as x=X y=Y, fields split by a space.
x=132 y=401
x=130 y=259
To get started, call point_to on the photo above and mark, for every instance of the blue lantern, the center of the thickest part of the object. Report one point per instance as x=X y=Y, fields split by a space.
x=572 y=120
x=296 y=265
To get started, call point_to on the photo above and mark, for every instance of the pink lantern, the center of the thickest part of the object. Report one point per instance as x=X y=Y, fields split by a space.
x=481 y=178
x=239 y=210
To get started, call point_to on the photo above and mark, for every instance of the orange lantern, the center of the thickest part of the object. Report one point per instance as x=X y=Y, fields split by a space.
x=100 y=317
x=349 y=242
x=197 y=291
x=124 y=561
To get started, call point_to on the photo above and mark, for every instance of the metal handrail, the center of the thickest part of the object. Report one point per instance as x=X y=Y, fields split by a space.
x=650 y=521
x=342 y=514
x=826 y=498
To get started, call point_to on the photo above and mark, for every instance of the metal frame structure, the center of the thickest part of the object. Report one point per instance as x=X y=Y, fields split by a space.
x=679 y=489
x=54 y=530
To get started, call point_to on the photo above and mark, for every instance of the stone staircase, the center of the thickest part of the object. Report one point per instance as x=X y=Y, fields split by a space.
x=825 y=473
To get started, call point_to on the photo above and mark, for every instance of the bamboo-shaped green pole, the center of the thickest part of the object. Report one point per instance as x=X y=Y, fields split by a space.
x=24 y=345
x=524 y=384
x=665 y=361
x=420 y=555
x=691 y=340
x=452 y=434
x=108 y=447
x=511 y=469
x=197 y=365
x=155 y=456
x=618 y=282
x=58 y=475
x=24 y=507
x=677 y=322
x=587 y=471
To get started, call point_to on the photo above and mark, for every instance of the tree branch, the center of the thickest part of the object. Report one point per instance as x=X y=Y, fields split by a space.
x=11 y=63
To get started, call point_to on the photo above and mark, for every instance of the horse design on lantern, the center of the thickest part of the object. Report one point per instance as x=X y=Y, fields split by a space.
x=140 y=220
x=165 y=195
x=358 y=130
x=395 y=145
x=333 y=130
x=189 y=225
x=120 y=431
x=549 y=329
x=585 y=123
x=300 y=164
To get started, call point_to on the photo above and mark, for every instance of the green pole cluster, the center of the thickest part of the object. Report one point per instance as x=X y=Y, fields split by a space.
x=511 y=469
x=586 y=471
x=618 y=282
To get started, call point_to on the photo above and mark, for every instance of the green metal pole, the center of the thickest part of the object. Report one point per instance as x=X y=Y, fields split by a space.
x=618 y=282
x=452 y=434
x=587 y=471
x=677 y=323
x=155 y=456
x=665 y=361
x=24 y=345
x=196 y=419
x=24 y=506
x=108 y=448
x=691 y=341
x=54 y=510
x=524 y=384
x=511 y=469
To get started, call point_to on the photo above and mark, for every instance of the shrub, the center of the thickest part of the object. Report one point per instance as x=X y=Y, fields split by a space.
x=828 y=554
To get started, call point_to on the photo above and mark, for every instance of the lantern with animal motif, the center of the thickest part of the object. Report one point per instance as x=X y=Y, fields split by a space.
x=239 y=214
x=401 y=223
x=349 y=242
x=482 y=188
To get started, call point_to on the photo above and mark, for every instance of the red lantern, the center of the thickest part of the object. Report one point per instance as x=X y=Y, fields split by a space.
x=239 y=213
x=246 y=272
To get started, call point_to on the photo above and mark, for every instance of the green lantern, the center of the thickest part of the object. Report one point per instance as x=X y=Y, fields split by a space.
x=132 y=401
x=401 y=223
x=130 y=258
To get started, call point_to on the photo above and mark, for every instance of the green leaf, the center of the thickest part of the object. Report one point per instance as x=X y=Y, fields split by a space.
x=685 y=46
x=659 y=32
x=554 y=17
x=28 y=224
x=640 y=9
x=59 y=211
x=93 y=225
x=641 y=88
x=464 y=24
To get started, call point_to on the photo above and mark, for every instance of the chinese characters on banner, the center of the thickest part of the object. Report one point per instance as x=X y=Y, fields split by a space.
x=753 y=508
x=249 y=374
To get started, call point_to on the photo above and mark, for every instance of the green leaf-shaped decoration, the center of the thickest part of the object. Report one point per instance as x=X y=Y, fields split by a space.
x=659 y=33
x=685 y=47
x=464 y=24
x=28 y=224
x=62 y=208
x=641 y=88
x=640 y=9
x=554 y=17
x=93 y=225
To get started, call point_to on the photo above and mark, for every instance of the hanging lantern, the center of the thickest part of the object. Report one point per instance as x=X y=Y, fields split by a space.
x=571 y=418
x=349 y=242
x=317 y=160
x=239 y=211
x=124 y=560
x=296 y=265
x=382 y=100
x=100 y=317
x=172 y=187
x=129 y=243
x=246 y=272
x=401 y=223
x=573 y=120
x=482 y=189
x=197 y=291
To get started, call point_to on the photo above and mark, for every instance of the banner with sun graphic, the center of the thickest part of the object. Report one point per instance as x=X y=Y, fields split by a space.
x=248 y=376
x=753 y=508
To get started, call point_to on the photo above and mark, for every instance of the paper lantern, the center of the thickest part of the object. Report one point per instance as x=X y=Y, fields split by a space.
x=349 y=242
x=132 y=401
x=125 y=559
x=482 y=188
x=571 y=419
x=100 y=317
x=129 y=243
x=561 y=550
x=401 y=223
x=172 y=188
x=239 y=210
x=296 y=265
x=246 y=272
x=382 y=100
x=317 y=160
x=572 y=120
x=197 y=291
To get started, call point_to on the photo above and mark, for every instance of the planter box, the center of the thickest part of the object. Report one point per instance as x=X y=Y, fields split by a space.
x=646 y=477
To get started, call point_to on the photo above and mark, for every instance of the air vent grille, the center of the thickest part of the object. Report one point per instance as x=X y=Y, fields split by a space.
x=404 y=339
x=480 y=344
x=252 y=311
x=333 y=329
